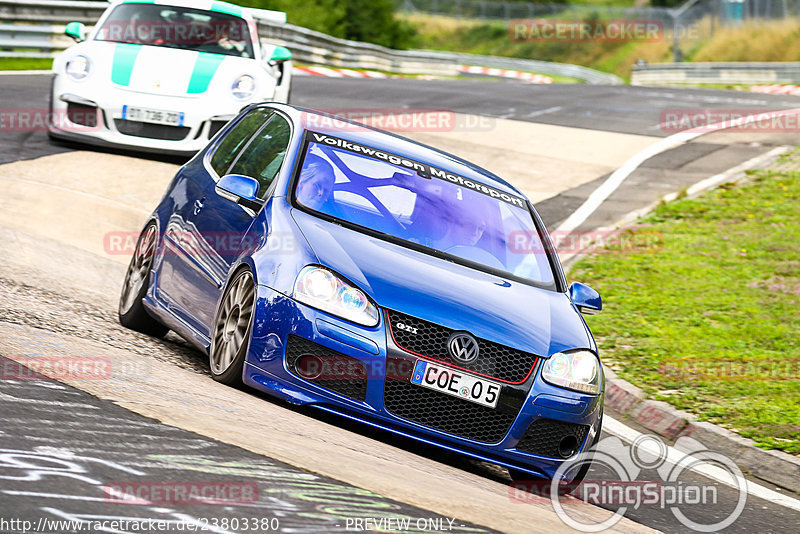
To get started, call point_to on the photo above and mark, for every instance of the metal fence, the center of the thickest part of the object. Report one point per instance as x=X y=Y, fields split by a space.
x=716 y=73
x=50 y=11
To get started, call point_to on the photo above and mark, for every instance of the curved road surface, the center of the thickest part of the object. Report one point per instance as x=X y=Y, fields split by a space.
x=67 y=307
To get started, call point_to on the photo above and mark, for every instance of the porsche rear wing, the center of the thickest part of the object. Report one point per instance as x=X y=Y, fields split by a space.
x=266 y=15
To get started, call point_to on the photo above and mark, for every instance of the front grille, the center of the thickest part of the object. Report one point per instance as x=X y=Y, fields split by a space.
x=214 y=127
x=544 y=436
x=336 y=371
x=430 y=340
x=151 y=131
x=446 y=413
x=83 y=115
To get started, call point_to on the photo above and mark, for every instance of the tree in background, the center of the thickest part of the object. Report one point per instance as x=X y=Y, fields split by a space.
x=371 y=21
x=374 y=21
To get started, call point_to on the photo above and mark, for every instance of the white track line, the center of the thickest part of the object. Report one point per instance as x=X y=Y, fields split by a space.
x=611 y=425
x=676 y=457
x=695 y=189
x=616 y=179
x=545 y=111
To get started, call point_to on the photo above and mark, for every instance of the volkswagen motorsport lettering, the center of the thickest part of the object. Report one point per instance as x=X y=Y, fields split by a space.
x=423 y=169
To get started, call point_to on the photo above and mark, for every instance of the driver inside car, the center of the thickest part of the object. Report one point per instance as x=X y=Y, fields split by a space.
x=315 y=189
x=463 y=230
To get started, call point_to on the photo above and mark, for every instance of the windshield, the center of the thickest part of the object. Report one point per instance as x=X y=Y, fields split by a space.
x=423 y=206
x=177 y=27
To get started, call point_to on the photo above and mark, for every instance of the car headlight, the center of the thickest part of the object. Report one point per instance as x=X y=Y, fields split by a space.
x=321 y=289
x=243 y=87
x=579 y=371
x=77 y=68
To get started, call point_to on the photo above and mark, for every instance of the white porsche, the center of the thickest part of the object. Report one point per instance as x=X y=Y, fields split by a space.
x=164 y=75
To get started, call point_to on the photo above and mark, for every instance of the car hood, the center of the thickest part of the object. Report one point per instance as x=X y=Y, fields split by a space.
x=160 y=70
x=504 y=311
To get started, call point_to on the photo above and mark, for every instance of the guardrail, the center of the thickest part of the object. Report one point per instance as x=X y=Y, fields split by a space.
x=50 y=11
x=716 y=73
x=309 y=46
x=23 y=39
x=44 y=40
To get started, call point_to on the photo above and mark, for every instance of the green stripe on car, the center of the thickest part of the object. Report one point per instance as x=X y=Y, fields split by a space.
x=124 y=59
x=225 y=7
x=205 y=67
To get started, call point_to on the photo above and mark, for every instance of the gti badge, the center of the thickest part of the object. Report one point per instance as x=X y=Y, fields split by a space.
x=463 y=347
x=403 y=326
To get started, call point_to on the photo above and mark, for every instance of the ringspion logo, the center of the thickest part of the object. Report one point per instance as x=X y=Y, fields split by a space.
x=644 y=474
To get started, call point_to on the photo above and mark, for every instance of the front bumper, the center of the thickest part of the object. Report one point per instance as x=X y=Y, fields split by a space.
x=93 y=115
x=371 y=386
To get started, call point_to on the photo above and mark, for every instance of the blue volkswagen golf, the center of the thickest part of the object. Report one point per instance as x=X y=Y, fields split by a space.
x=339 y=266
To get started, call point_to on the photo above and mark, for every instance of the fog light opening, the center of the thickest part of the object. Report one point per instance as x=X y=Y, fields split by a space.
x=309 y=367
x=567 y=446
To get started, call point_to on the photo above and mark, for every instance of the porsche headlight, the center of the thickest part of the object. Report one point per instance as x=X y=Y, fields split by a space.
x=243 y=87
x=578 y=370
x=322 y=289
x=77 y=68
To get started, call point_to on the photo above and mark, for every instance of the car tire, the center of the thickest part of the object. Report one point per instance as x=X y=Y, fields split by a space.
x=230 y=336
x=132 y=313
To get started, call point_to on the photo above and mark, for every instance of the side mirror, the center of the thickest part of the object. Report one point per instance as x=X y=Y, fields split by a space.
x=240 y=189
x=585 y=298
x=280 y=54
x=76 y=30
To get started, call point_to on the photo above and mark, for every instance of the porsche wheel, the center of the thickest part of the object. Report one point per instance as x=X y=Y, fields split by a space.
x=131 y=309
x=231 y=334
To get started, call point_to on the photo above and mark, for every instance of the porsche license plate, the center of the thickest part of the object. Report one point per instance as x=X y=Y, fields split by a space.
x=154 y=116
x=456 y=383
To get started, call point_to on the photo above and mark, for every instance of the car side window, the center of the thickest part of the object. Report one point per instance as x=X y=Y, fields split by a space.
x=236 y=138
x=262 y=157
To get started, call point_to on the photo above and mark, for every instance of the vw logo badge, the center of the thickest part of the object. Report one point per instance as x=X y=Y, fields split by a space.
x=463 y=347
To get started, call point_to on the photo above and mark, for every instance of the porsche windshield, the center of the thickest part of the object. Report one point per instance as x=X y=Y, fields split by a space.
x=424 y=206
x=177 y=27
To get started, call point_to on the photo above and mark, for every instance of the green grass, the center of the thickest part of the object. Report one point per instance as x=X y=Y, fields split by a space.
x=13 y=63
x=493 y=38
x=706 y=316
x=751 y=41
